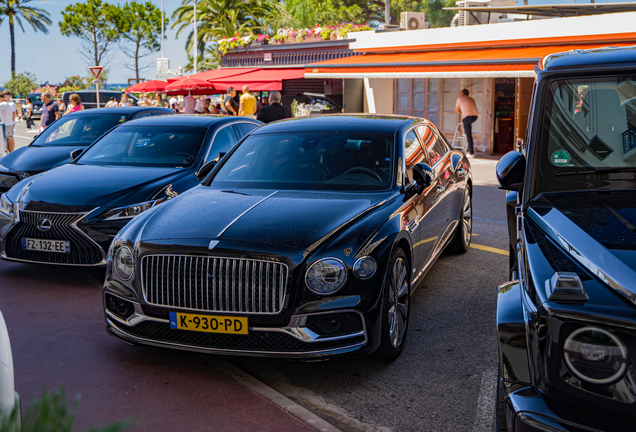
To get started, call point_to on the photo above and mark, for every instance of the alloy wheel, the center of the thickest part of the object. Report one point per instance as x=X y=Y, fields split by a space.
x=467 y=217
x=398 y=303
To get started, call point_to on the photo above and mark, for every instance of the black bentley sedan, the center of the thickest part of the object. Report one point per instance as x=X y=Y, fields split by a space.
x=70 y=214
x=567 y=320
x=54 y=146
x=306 y=240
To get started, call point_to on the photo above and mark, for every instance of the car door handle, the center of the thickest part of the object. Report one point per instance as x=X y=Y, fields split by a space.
x=461 y=172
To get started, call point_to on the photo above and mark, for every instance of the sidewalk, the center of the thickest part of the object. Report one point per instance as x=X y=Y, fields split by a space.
x=58 y=337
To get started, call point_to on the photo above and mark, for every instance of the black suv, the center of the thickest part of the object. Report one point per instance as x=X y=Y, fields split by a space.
x=54 y=146
x=567 y=320
x=89 y=97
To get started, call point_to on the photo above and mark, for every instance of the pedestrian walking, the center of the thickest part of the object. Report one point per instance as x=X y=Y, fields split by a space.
x=27 y=109
x=466 y=106
x=230 y=105
x=247 y=107
x=274 y=111
x=75 y=104
x=7 y=116
x=61 y=105
x=124 y=100
x=189 y=102
x=50 y=111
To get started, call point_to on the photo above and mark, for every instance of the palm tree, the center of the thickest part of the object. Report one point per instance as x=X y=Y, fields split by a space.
x=220 y=18
x=17 y=10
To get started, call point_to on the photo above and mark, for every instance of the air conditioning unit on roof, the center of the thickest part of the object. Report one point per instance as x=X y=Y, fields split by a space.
x=413 y=21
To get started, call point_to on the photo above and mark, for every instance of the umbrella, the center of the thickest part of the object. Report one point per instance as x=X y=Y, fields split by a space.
x=182 y=85
x=152 y=86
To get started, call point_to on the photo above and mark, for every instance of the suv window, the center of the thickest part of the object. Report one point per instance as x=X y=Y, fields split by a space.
x=243 y=129
x=590 y=123
x=433 y=145
x=223 y=142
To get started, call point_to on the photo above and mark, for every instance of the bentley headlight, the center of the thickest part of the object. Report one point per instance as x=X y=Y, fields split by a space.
x=326 y=276
x=6 y=206
x=365 y=267
x=123 y=263
x=595 y=355
x=130 y=211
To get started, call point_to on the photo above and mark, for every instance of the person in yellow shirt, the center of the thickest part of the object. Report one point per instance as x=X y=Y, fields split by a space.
x=247 y=107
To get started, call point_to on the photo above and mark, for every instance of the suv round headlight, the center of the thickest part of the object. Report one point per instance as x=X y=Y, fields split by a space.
x=326 y=276
x=595 y=355
x=123 y=263
x=364 y=268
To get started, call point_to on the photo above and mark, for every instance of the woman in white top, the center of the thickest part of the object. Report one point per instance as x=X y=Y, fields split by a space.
x=124 y=100
x=28 y=109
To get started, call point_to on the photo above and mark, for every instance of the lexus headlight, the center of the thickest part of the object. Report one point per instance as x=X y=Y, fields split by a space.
x=326 y=276
x=595 y=355
x=130 y=211
x=4 y=168
x=6 y=206
x=123 y=263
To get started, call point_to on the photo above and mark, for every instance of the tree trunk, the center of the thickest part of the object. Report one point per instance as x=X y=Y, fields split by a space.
x=95 y=47
x=137 y=60
x=12 y=32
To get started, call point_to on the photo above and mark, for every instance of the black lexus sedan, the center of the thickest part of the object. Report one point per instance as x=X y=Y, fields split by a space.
x=53 y=147
x=567 y=321
x=306 y=240
x=70 y=214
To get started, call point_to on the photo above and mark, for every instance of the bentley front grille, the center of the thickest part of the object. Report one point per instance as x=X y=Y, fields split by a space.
x=83 y=251
x=214 y=284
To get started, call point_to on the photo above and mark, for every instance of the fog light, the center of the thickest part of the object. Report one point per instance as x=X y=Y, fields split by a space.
x=595 y=355
x=329 y=324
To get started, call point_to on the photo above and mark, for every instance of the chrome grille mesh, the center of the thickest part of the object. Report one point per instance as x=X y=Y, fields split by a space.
x=214 y=284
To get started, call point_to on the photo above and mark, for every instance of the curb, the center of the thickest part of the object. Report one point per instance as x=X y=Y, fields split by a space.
x=271 y=395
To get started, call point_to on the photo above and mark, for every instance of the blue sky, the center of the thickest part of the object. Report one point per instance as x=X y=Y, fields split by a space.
x=54 y=57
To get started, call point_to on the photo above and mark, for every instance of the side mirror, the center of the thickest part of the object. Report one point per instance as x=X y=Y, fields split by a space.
x=76 y=153
x=424 y=175
x=511 y=169
x=205 y=170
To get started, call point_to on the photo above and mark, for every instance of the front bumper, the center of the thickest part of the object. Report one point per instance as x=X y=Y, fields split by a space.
x=528 y=411
x=301 y=338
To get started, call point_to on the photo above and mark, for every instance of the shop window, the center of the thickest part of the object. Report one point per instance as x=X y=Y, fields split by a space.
x=476 y=89
x=433 y=101
x=451 y=89
x=409 y=97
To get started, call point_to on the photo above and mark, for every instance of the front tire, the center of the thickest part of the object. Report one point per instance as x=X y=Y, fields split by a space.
x=396 y=300
x=500 y=407
x=464 y=231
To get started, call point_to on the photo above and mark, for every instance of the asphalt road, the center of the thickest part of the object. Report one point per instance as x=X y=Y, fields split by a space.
x=444 y=380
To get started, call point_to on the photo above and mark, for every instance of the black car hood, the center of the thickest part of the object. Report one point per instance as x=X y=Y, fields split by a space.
x=587 y=223
x=299 y=220
x=89 y=185
x=36 y=159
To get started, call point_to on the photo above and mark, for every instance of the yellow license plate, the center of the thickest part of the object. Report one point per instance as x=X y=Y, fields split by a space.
x=209 y=323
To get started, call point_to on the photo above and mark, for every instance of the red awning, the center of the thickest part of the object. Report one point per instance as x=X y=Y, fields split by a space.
x=458 y=62
x=222 y=73
x=259 y=80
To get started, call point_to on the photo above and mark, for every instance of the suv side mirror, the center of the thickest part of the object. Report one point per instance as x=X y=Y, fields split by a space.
x=510 y=171
x=423 y=175
x=76 y=153
x=205 y=170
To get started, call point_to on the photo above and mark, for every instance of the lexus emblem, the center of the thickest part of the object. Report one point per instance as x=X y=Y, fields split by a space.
x=24 y=175
x=44 y=224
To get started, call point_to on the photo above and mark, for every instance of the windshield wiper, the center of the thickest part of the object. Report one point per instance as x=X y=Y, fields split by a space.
x=599 y=170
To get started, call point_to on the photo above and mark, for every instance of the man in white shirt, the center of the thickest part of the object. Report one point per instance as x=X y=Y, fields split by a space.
x=7 y=116
x=189 y=102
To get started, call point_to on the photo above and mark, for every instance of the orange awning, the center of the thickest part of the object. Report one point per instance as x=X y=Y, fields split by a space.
x=511 y=62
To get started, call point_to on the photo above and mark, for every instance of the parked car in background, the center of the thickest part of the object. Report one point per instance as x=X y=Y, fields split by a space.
x=306 y=240
x=89 y=97
x=566 y=322
x=313 y=103
x=70 y=214
x=74 y=131
x=36 y=100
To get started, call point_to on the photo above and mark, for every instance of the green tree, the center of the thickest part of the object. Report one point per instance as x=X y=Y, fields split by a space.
x=97 y=24
x=142 y=32
x=22 y=84
x=308 y=13
x=15 y=11
x=436 y=16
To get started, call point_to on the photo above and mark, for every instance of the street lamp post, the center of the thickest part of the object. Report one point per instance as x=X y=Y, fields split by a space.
x=196 y=54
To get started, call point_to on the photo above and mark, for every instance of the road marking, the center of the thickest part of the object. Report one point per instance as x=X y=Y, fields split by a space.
x=490 y=220
x=489 y=249
x=19 y=136
x=276 y=398
x=484 y=416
